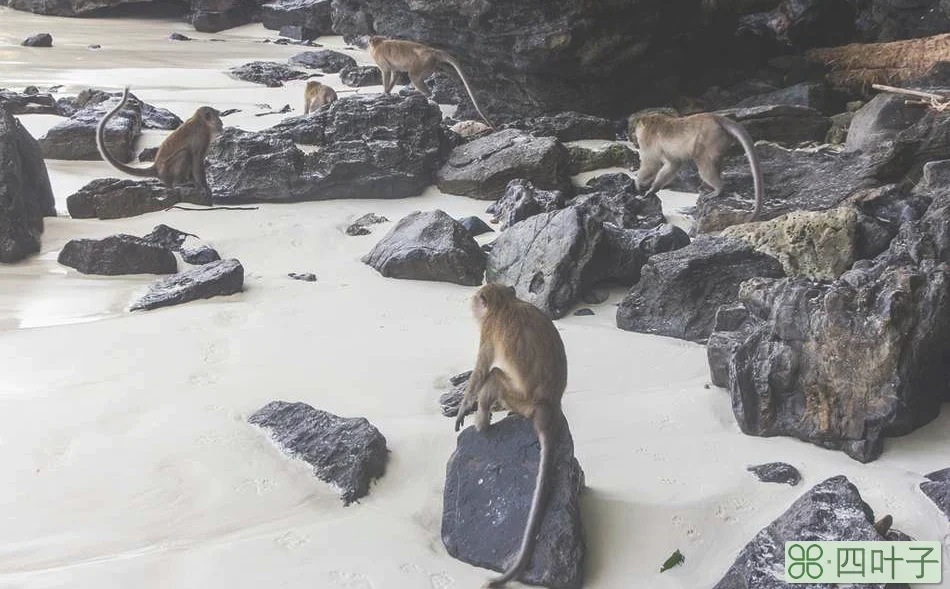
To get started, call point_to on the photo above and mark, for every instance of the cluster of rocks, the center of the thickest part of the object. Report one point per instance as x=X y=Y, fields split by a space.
x=155 y=254
x=274 y=74
x=75 y=138
x=372 y=146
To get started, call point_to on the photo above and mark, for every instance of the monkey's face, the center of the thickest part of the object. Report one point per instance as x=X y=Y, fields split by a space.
x=491 y=296
x=211 y=118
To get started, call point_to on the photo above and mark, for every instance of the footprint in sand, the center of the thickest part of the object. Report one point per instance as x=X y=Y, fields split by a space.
x=350 y=580
x=440 y=580
x=291 y=540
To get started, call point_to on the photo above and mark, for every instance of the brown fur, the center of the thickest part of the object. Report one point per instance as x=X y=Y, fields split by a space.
x=667 y=142
x=420 y=61
x=521 y=362
x=316 y=95
x=180 y=157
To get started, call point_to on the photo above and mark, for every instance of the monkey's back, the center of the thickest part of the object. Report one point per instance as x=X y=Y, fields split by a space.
x=682 y=137
x=535 y=351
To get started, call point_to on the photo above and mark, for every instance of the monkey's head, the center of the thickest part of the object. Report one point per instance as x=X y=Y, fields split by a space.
x=490 y=297
x=211 y=118
x=375 y=40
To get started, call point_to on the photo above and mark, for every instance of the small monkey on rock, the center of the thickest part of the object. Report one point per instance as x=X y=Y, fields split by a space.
x=667 y=142
x=316 y=95
x=181 y=156
x=521 y=363
x=420 y=61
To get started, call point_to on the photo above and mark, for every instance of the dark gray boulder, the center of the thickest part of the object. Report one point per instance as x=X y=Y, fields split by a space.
x=268 y=73
x=880 y=120
x=23 y=103
x=615 y=155
x=484 y=167
x=522 y=200
x=475 y=225
x=348 y=453
x=451 y=400
x=776 y=472
x=112 y=198
x=361 y=225
x=270 y=167
x=429 y=246
x=117 y=254
x=831 y=511
x=781 y=123
x=794 y=181
x=224 y=277
x=613 y=198
x=845 y=364
x=680 y=291
x=373 y=146
x=75 y=138
x=39 y=40
x=192 y=250
x=199 y=254
x=25 y=193
x=152 y=117
x=311 y=18
x=545 y=258
x=621 y=254
x=211 y=16
x=815 y=95
x=325 y=60
x=569 y=126
x=937 y=489
x=357 y=76
x=489 y=482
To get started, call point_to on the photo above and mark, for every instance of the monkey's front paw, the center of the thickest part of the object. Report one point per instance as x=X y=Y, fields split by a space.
x=460 y=420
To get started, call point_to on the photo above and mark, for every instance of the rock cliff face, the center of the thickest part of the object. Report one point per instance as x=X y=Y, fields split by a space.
x=527 y=57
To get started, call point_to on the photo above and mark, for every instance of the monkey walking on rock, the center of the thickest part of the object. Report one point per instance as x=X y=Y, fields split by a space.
x=420 y=61
x=667 y=142
x=522 y=363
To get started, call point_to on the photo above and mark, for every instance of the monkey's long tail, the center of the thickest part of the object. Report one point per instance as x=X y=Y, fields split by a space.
x=148 y=172
x=545 y=425
x=739 y=132
x=455 y=64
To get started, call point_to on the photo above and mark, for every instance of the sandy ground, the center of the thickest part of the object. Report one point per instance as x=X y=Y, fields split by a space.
x=127 y=460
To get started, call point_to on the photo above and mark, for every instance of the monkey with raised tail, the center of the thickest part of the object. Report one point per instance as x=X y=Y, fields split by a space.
x=180 y=157
x=522 y=363
x=420 y=61
x=667 y=142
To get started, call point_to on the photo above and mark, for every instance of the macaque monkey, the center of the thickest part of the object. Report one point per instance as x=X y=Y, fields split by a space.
x=181 y=155
x=316 y=95
x=521 y=362
x=667 y=142
x=394 y=55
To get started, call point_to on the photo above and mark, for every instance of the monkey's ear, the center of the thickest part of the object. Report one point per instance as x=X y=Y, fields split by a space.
x=511 y=290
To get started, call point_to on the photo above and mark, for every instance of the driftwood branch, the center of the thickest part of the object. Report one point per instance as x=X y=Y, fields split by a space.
x=937 y=102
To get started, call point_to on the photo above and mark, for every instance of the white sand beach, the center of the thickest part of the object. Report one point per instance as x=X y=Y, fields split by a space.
x=126 y=459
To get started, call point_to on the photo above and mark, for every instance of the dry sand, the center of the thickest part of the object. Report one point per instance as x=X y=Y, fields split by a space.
x=126 y=457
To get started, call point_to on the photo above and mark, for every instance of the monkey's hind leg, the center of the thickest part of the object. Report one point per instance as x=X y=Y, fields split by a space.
x=495 y=388
x=664 y=177
x=419 y=81
x=198 y=175
x=647 y=172
x=709 y=172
